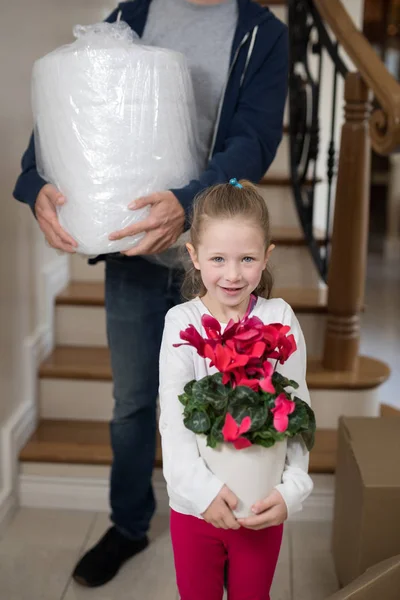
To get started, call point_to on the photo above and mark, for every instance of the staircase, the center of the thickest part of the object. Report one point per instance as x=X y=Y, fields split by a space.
x=75 y=380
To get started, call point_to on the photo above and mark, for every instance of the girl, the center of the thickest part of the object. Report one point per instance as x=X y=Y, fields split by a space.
x=229 y=249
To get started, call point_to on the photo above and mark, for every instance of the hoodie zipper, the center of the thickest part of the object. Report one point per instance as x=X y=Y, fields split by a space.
x=221 y=102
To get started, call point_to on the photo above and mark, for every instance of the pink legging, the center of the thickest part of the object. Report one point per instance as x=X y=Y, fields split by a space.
x=201 y=550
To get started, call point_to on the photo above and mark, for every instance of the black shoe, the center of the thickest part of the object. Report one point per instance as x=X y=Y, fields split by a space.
x=103 y=561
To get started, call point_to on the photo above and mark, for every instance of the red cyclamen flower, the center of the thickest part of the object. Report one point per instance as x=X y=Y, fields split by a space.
x=242 y=351
x=232 y=432
x=285 y=344
x=266 y=383
x=192 y=338
x=283 y=408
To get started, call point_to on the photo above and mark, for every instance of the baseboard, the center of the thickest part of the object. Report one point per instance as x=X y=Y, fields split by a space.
x=14 y=434
x=55 y=276
x=21 y=423
x=8 y=505
x=83 y=493
x=77 y=493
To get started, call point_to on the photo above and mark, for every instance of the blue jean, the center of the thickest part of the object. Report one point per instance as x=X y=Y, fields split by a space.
x=138 y=295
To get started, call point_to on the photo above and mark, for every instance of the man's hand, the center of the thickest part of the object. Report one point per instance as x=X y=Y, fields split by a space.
x=269 y=512
x=45 y=209
x=163 y=226
x=219 y=513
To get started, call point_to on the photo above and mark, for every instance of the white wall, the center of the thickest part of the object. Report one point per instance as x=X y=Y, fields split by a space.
x=28 y=29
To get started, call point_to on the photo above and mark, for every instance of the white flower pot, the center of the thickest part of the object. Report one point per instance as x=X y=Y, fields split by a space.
x=251 y=473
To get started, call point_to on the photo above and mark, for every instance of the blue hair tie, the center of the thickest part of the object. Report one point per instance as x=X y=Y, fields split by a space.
x=235 y=183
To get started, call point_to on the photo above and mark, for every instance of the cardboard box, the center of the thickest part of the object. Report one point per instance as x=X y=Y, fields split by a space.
x=381 y=582
x=366 y=525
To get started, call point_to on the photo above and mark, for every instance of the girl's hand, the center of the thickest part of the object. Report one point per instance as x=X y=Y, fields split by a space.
x=219 y=513
x=269 y=512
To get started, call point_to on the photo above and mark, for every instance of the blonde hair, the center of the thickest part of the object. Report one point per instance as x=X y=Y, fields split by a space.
x=226 y=201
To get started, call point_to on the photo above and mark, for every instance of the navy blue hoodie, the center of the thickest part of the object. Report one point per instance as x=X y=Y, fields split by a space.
x=249 y=125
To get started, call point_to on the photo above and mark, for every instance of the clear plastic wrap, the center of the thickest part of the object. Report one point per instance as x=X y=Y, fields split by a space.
x=114 y=121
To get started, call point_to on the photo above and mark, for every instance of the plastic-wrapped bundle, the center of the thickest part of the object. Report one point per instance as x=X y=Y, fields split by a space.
x=113 y=122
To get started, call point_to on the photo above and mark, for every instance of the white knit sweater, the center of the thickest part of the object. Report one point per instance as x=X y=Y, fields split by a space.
x=191 y=485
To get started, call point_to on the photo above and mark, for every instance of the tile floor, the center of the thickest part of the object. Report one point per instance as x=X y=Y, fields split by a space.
x=40 y=547
x=380 y=326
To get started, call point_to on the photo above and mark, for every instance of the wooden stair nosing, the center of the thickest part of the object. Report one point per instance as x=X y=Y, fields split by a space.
x=83 y=363
x=82 y=293
x=369 y=374
x=280 y=181
x=292 y=236
x=85 y=442
x=77 y=362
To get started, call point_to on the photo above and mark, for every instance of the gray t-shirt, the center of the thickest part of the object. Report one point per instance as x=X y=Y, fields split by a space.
x=204 y=34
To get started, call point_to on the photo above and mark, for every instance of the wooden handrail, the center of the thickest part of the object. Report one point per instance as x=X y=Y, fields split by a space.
x=385 y=121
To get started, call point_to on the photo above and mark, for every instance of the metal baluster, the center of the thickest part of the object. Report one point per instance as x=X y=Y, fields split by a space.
x=331 y=167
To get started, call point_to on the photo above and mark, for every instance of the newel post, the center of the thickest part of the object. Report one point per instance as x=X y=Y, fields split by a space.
x=347 y=269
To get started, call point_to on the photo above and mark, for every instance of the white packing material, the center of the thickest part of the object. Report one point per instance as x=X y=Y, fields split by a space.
x=114 y=121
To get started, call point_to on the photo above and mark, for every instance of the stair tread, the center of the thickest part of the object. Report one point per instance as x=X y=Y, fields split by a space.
x=84 y=293
x=369 y=374
x=93 y=363
x=74 y=442
x=88 y=442
x=77 y=362
x=283 y=181
x=304 y=300
x=78 y=293
x=294 y=236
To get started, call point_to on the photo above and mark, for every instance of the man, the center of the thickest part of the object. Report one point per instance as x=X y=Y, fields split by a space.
x=238 y=57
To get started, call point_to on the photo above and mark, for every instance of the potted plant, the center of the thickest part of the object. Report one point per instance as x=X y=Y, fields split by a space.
x=244 y=413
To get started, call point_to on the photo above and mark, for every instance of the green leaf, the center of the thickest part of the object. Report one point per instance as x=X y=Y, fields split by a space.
x=198 y=422
x=279 y=380
x=257 y=414
x=282 y=382
x=298 y=418
x=210 y=391
x=211 y=441
x=243 y=395
x=266 y=443
x=311 y=415
x=216 y=429
x=268 y=432
x=309 y=439
x=302 y=422
x=263 y=435
x=215 y=436
x=267 y=438
x=184 y=399
x=269 y=400
x=188 y=387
